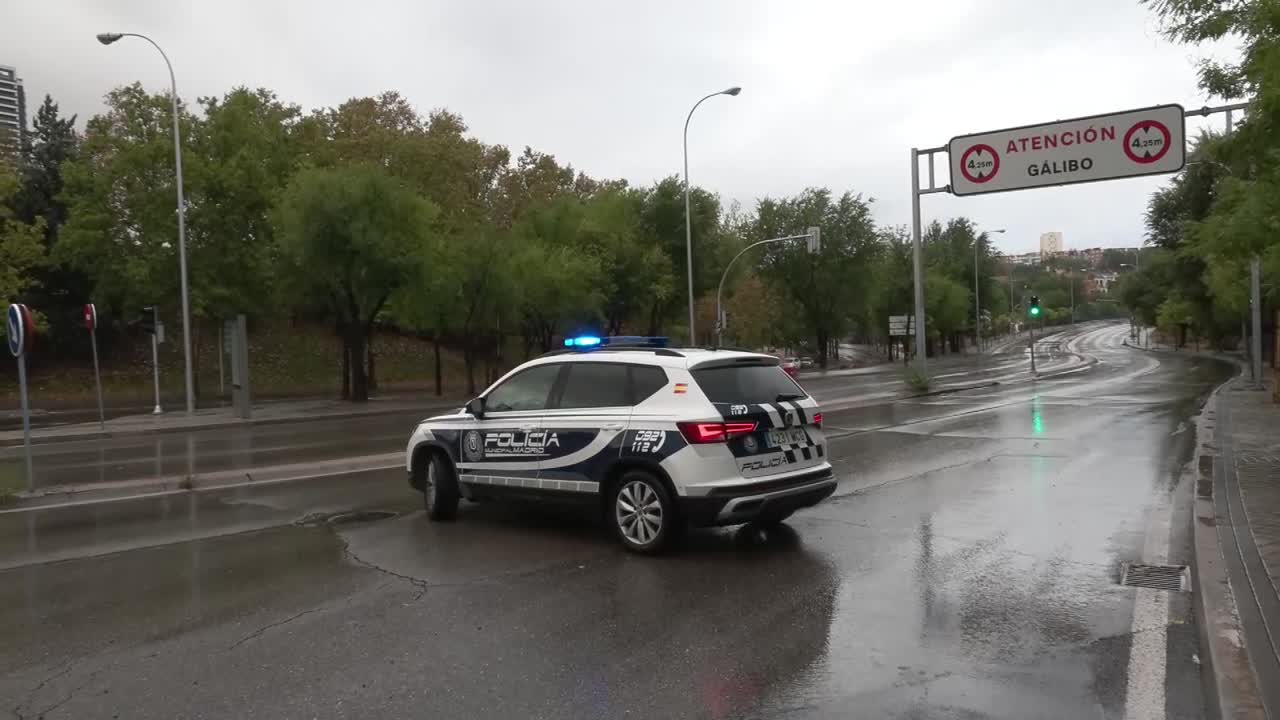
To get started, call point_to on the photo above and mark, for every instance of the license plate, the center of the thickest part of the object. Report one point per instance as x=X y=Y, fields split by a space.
x=787 y=436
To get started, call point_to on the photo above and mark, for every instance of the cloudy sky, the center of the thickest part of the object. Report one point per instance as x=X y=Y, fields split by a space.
x=834 y=92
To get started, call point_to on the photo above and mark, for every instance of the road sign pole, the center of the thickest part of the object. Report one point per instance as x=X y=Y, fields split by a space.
x=97 y=379
x=1255 y=289
x=916 y=264
x=1031 y=342
x=26 y=421
x=155 y=359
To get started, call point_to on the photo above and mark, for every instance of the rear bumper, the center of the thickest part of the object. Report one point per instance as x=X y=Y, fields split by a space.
x=748 y=503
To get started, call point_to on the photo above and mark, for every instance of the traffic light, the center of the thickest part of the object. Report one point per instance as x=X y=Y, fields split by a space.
x=1033 y=309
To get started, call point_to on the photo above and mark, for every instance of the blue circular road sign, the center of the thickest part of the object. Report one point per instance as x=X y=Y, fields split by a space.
x=17 y=332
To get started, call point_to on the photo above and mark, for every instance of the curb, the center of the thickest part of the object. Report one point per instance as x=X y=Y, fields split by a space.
x=946 y=391
x=36 y=439
x=90 y=493
x=1230 y=686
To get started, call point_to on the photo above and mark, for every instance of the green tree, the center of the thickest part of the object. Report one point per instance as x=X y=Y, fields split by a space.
x=121 y=228
x=58 y=291
x=243 y=153
x=21 y=246
x=825 y=286
x=352 y=235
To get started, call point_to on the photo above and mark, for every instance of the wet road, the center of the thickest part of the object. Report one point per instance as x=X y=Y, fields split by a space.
x=967 y=567
x=177 y=454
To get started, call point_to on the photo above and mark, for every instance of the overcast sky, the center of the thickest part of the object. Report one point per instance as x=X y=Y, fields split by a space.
x=834 y=93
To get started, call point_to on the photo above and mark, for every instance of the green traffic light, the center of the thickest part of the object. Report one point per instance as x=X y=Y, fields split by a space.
x=1035 y=311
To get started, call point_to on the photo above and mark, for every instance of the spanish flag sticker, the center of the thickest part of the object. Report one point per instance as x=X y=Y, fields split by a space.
x=682 y=388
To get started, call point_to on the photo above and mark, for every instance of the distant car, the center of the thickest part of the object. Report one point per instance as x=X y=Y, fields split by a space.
x=806 y=362
x=654 y=438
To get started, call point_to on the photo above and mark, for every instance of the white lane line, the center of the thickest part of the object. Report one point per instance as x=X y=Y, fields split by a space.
x=1148 y=650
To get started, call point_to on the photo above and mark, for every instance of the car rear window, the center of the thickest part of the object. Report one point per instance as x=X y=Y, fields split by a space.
x=746 y=384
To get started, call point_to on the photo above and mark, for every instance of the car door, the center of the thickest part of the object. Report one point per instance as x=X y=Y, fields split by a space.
x=504 y=449
x=587 y=418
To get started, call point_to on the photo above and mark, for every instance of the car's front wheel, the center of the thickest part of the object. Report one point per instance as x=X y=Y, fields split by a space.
x=642 y=513
x=440 y=491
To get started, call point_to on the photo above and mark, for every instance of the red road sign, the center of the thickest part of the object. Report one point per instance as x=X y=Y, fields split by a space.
x=979 y=163
x=1147 y=141
x=90 y=317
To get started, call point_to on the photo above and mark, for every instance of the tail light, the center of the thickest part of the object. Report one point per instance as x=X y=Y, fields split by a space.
x=817 y=419
x=702 y=433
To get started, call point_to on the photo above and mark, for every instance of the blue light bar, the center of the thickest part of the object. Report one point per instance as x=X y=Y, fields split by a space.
x=637 y=340
x=587 y=342
x=582 y=341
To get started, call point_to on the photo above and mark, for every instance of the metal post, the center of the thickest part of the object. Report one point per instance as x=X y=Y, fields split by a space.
x=97 y=378
x=724 y=275
x=1011 y=332
x=1071 y=278
x=155 y=355
x=222 y=351
x=688 y=219
x=977 y=306
x=1031 y=335
x=922 y=364
x=26 y=421
x=1255 y=283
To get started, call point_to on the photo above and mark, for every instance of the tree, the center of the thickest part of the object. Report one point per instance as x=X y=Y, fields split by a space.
x=243 y=153
x=825 y=287
x=121 y=229
x=54 y=289
x=21 y=245
x=947 y=305
x=353 y=235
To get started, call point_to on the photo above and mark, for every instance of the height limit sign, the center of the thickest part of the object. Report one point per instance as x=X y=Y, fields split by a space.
x=1150 y=141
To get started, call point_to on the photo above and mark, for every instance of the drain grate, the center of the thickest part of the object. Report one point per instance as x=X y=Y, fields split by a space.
x=1174 y=578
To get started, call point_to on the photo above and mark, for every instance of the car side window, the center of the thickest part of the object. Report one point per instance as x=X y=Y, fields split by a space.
x=645 y=381
x=595 y=385
x=526 y=390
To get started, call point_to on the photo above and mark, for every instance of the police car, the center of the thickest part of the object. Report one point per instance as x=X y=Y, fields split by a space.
x=656 y=438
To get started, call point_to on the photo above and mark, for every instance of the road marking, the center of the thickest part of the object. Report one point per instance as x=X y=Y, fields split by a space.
x=1148 y=650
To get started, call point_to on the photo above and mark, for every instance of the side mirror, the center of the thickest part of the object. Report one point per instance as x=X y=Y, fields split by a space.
x=476 y=407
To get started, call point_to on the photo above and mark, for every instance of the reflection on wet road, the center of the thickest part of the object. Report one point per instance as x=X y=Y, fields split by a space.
x=966 y=568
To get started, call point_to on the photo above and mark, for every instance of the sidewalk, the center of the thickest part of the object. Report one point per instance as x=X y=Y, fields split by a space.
x=1246 y=511
x=205 y=418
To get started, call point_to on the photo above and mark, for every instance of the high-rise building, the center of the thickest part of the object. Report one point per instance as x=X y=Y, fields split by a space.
x=1050 y=243
x=13 y=110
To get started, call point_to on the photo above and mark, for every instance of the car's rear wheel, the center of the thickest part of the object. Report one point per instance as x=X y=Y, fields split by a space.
x=642 y=513
x=440 y=491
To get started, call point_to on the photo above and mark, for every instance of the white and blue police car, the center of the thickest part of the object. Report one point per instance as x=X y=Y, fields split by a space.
x=657 y=438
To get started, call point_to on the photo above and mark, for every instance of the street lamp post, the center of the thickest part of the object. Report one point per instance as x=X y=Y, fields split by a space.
x=107 y=39
x=724 y=275
x=688 y=219
x=1072 y=284
x=977 y=306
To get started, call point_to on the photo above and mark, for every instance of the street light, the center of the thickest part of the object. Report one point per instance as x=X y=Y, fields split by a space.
x=815 y=245
x=688 y=221
x=107 y=39
x=1072 y=283
x=977 y=307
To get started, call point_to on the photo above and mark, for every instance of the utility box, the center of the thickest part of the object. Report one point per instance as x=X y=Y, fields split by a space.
x=237 y=332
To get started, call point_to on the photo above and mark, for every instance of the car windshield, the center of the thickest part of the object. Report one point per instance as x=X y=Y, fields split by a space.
x=747 y=384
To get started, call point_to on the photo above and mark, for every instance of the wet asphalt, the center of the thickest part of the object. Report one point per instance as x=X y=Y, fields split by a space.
x=967 y=567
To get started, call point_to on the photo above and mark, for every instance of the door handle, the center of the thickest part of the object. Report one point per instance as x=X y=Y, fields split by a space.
x=614 y=426
x=527 y=428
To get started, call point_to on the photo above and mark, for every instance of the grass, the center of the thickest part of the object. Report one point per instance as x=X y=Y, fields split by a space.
x=285 y=360
x=917 y=380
